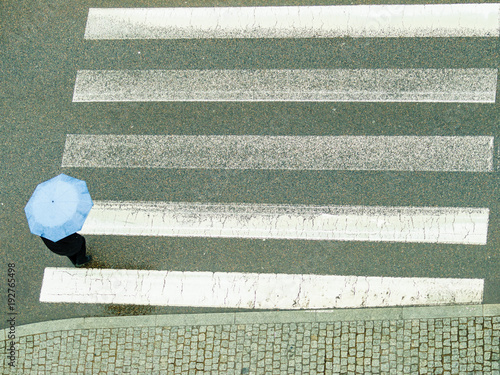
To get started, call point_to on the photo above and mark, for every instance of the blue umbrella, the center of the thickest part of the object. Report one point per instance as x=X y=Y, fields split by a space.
x=58 y=207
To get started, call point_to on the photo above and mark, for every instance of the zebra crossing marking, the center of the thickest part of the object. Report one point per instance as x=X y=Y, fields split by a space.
x=301 y=85
x=368 y=153
x=357 y=223
x=416 y=20
x=251 y=290
x=452 y=225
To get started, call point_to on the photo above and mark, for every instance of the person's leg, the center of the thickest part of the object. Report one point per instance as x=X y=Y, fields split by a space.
x=72 y=246
x=81 y=256
x=73 y=258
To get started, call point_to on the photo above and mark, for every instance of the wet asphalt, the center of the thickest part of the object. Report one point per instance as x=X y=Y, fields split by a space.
x=41 y=49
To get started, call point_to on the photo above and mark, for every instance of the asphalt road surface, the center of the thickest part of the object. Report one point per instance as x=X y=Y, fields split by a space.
x=42 y=47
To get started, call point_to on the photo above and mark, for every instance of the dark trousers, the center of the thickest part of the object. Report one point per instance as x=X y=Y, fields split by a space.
x=72 y=246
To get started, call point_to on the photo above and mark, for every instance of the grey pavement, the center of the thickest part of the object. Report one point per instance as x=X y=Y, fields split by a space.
x=408 y=340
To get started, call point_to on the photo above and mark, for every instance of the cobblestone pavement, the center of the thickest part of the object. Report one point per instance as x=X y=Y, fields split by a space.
x=367 y=341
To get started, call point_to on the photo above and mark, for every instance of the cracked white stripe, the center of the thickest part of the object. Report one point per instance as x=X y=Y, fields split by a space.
x=374 y=153
x=342 y=223
x=251 y=290
x=417 y=20
x=301 y=85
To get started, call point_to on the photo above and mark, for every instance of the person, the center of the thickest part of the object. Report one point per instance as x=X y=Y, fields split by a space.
x=73 y=246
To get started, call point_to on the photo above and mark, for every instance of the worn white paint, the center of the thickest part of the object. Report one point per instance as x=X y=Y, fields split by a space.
x=317 y=85
x=342 y=223
x=415 y=20
x=251 y=290
x=370 y=153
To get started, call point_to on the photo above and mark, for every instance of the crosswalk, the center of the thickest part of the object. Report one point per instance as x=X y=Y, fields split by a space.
x=252 y=290
x=341 y=223
x=416 y=20
x=396 y=153
x=354 y=153
x=320 y=85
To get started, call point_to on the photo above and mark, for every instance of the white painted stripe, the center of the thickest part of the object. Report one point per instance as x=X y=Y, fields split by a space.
x=359 y=85
x=251 y=290
x=426 y=20
x=375 y=153
x=343 y=223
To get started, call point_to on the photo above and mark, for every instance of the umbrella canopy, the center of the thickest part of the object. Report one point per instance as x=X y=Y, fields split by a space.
x=58 y=207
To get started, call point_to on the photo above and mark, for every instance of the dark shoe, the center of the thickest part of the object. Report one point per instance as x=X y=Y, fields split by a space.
x=88 y=259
